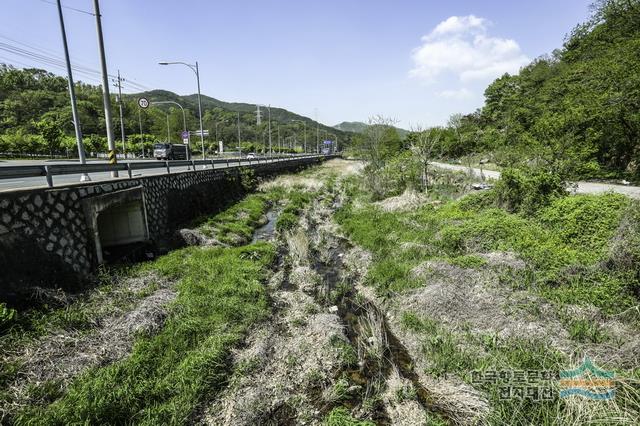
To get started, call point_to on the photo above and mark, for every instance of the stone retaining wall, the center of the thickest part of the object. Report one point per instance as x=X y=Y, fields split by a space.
x=47 y=236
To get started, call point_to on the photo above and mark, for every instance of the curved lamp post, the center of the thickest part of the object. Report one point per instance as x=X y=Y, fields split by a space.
x=195 y=69
x=184 y=118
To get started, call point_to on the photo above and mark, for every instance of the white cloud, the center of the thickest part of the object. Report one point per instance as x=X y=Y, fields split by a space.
x=459 y=94
x=461 y=46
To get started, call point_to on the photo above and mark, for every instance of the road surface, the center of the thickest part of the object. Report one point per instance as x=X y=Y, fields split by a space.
x=61 y=180
x=580 y=188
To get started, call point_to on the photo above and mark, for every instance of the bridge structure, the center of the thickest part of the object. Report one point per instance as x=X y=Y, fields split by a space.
x=57 y=236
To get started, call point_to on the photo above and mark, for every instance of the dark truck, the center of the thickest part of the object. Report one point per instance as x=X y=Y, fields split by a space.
x=167 y=151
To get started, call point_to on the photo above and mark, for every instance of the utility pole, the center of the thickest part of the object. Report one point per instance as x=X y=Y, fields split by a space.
x=258 y=121
x=72 y=93
x=317 y=133
x=105 y=90
x=239 y=146
x=119 y=85
x=279 y=145
x=305 y=134
x=258 y=129
x=270 y=150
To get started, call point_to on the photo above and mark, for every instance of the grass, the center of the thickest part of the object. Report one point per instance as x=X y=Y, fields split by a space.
x=167 y=375
x=236 y=224
x=340 y=416
x=465 y=354
x=577 y=249
x=564 y=244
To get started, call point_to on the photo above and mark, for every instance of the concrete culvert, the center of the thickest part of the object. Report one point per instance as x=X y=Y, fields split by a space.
x=121 y=226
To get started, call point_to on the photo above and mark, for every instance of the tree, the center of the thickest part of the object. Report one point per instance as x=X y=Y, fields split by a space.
x=423 y=144
x=51 y=133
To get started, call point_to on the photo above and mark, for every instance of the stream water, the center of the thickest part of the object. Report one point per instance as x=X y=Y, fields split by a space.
x=266 y=231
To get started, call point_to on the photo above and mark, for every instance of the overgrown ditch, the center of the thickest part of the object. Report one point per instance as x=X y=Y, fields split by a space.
x=380 y=354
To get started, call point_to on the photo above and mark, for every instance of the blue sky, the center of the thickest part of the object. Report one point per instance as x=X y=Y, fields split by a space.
x=415 y=61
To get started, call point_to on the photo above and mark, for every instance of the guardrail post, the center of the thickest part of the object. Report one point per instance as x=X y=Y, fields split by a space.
x=128 y=166
x=168 y=167
x=49 y=176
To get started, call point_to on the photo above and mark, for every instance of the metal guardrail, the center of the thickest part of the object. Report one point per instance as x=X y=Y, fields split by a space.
x=49 y=171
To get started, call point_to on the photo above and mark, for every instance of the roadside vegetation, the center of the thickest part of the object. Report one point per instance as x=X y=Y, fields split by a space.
x=151 y=342
x=517 y=277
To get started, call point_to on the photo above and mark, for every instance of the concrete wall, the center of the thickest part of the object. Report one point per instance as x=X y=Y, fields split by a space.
x=49 y=237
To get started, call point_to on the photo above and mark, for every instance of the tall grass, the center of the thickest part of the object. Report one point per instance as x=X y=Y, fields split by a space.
x=167 y=375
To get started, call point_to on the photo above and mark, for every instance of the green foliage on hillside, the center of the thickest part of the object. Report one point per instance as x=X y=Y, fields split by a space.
x=35 y=118
x=577 y=110
x=360 y=127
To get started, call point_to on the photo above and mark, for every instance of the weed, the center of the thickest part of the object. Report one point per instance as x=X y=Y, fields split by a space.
x=468 y=261
x=340 y=416
x=583 y=330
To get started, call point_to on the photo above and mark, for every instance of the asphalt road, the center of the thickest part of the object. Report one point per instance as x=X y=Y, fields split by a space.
x=577 y=187
x=61 y=180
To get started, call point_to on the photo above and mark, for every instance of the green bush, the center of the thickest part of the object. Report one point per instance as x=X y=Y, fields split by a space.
x=585 y=221
x=528 y=189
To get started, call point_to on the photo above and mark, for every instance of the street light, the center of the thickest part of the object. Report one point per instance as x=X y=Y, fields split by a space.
x=195 y=69
x=184 y=119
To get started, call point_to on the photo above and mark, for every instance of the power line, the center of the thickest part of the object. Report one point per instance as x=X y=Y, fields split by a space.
x=69 y=7
x=48 y=59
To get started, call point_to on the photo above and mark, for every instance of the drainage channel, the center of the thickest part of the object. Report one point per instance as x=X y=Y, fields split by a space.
x=267 y=231
x=366 y=327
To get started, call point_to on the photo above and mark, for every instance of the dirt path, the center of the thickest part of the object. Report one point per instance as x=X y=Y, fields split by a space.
x=580 y=188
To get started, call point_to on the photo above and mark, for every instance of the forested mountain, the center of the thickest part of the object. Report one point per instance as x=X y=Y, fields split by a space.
x=360 y=127
x=576 y=110
x=352 y=126
x=35 y=117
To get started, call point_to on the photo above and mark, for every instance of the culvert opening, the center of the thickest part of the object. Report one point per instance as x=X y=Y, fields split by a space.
x=122 y=231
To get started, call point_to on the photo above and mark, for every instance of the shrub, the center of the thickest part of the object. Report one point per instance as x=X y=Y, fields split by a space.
x=528 y=189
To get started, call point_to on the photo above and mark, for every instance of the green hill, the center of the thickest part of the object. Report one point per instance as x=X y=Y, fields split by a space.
x=278 y=115
x=35 y=118
x=360 y=127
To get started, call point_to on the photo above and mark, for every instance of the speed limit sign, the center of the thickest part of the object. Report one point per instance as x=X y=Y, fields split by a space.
x=143 y=102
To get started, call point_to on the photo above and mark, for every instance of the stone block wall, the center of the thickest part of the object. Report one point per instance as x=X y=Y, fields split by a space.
x=47 y=235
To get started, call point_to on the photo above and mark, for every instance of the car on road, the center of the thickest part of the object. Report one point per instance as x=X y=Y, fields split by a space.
x=167 y=151
x=251 y=155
